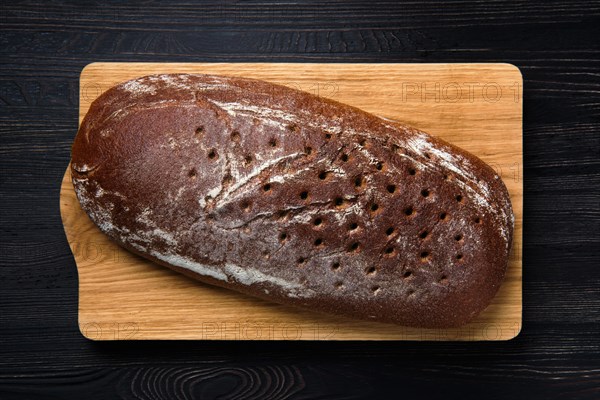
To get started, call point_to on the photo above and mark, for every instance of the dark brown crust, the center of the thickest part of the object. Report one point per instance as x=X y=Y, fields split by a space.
x=256 y=187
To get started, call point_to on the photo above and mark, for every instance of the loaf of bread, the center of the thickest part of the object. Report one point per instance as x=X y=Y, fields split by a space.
x=294 y=198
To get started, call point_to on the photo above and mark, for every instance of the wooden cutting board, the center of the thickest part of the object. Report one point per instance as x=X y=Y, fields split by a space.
x=475 y=106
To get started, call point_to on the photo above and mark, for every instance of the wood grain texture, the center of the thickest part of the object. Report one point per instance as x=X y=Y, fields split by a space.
x=44 y=47
x=476 y=106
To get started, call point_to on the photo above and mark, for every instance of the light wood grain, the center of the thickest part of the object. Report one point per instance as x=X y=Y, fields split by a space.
x=475 y=106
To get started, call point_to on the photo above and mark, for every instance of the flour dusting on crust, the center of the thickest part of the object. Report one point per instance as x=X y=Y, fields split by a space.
x=313 y=203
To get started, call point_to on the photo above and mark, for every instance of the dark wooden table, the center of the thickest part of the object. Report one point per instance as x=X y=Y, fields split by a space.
x=44 y=46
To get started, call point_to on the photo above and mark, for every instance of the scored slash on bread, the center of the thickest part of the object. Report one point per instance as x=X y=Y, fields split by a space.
x=298 y=199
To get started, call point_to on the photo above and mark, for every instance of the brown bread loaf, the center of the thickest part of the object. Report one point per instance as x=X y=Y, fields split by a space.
x=301 y=200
